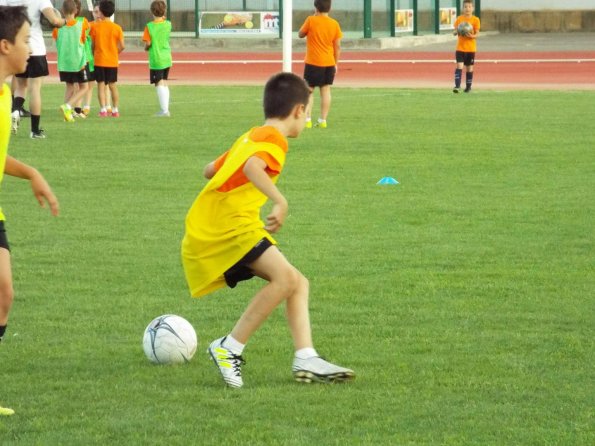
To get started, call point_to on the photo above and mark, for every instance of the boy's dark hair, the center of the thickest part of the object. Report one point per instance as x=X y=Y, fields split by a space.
x=158 y=8
x=322 y=5
x=282 y=93
x=467 y=1
x=107 y=8
x=12 y=19
x=69 y=7
x=78 y=7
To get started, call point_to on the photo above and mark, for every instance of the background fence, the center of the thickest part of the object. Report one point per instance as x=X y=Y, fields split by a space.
x=358 y=18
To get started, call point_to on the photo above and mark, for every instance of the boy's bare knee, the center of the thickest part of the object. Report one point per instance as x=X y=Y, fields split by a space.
x=6 y=297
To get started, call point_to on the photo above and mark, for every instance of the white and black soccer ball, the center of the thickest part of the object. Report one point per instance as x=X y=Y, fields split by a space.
x=169 y=339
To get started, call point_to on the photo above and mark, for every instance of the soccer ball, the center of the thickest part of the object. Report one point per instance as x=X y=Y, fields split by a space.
x=169 y=339
x=464 y=29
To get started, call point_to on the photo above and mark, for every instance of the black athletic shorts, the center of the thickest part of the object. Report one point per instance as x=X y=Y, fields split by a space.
x=70 y=77
x=109 y=75
x=37 y=66
x=158 y=75
x=319 y=76
x=466 y=59
x=90 y=74
x=241 y=271
x=3 y=238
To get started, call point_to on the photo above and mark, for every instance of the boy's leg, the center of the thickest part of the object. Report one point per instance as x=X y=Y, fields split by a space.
x=163 y=97
x=101 y=96
x=88 y=98
x=458 y=76
x=325 y=101
x=34 y=92
x=115 y=98
x=65 y=108
x=78 y=95
x=285 y=283
x=6 y=289
x=468 y=78
x=309 y=108
x=294 y=288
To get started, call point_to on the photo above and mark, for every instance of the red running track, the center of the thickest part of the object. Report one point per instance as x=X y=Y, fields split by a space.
x=495 y=70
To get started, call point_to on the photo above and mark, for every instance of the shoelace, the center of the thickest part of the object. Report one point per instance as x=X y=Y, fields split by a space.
x=236 y=361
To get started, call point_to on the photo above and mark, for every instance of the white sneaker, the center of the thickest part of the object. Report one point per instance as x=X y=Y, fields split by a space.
x=228 y=362
x=316 y=369
x=162 y=114
x=16 y=120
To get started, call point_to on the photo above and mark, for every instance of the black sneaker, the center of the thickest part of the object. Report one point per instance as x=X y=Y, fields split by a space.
x=456 y=90
x=468 y=90
x=24 y=113
x=40 y=134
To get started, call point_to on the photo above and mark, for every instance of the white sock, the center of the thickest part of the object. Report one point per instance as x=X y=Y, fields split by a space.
x=114 y=109
x=305 y=353
x=233 y=344
x=163 y=96
x=320 y=120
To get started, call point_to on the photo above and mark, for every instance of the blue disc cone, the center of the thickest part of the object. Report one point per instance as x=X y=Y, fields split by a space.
x=387 y=180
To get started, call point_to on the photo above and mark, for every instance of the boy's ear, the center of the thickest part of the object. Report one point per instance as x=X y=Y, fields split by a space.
x=299 y=110
x=4 y=46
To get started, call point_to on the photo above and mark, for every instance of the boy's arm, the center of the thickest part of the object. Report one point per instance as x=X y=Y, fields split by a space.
x=53 y=18
x=146 y=39
x=121 y=45
x=337 y=50
x=41 y=189
x=254 y=169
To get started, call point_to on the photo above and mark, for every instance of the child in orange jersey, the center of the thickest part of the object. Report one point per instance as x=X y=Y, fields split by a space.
x=108 y=43
x=323 y=46
x=466 y=47
x=226 y=241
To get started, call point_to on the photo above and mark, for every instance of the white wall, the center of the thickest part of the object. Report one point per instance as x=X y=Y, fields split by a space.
x=537 y=5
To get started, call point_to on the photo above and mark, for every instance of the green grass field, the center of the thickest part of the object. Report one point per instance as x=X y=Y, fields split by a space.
x=462 y=297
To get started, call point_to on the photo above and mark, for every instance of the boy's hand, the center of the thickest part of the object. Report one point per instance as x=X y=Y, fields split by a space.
x=276 y=218
x=43 y=193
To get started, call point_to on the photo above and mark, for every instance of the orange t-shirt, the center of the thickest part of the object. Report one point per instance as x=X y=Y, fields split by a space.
x=467 y=44
x=321 y=34
x=86 y=26
x=106 y=35
x=258 y=134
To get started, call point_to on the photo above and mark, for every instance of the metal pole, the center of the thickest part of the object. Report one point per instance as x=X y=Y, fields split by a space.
x=478 y=8
x=287 y=30
x=196 y=16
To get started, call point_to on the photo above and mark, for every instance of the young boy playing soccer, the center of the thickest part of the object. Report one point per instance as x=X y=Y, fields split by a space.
x=14 y=52
x=226 y=242
x=156 y=40
x=108 y=43
x=72 y=59
x=466 y=47
x=323 y=46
